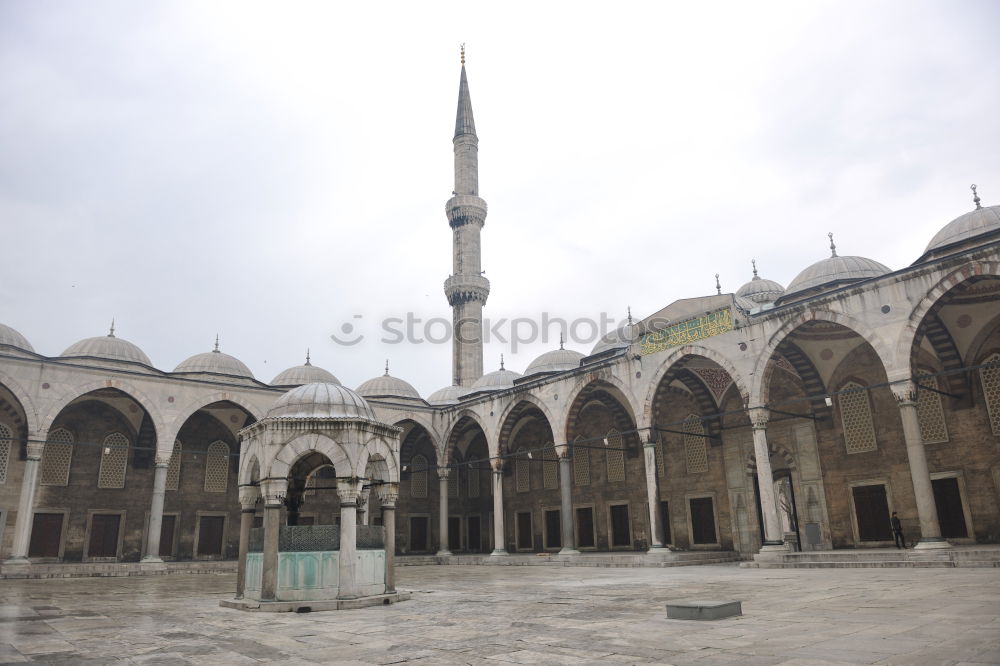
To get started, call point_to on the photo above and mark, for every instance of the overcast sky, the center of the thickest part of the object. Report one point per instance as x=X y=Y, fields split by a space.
x=270 y=171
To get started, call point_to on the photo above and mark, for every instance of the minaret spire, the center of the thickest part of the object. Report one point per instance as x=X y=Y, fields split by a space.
x=466 y=288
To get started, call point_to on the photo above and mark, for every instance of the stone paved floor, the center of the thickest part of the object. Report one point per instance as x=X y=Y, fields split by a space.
x=523 y=615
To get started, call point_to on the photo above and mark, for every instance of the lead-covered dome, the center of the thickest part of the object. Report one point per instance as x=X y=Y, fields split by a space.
x=388 y=386
x=321 y=401
x=449 y=395
x=760 y=290
x=9 y=336
x=618 y=339
x=216 y=363
x=835 y=271
x=557 y=360
x=107 y=347
x=496 y=380
x=974 y=223
x=307 y=373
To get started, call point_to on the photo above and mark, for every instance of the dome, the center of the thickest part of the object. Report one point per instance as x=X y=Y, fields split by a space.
x=836 y=270
x=321 y=401
x=556 y=360
x=760 y=290
x=108 y=347
x=387 y=385
x=449 y=395
x=8 y=336
x=304 y=374
x=215 y=362
x=496 y=380
x=964 y=227
x=617 y=339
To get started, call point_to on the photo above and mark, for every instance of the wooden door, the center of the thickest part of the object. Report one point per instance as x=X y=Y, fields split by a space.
x=951 y=517
x=665 y=517
x=702 y=521
x=585 y=527
x=620 y=533
x=553 y=529
x=475 y=535
x=454 y=534
x=167 y=536
x=210 y=530
x=418 y=534
x=103 y=535
x=524 y=536
x=871 y=508
x=46 y=535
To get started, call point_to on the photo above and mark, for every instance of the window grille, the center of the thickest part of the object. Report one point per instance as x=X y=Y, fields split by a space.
x=174 y=469
x=550 y=468
x=661 y=467
x=615 y=456
x=930 y=412
x=418 y=477
x=453 y=483
x=856 y=417
x=57 y=457
x=522 y=470
x=990 y=377
x=114 y=461
x=581 y=464
x=695 y=445
x=217 y=467
x=6 y=438
x=473 y=476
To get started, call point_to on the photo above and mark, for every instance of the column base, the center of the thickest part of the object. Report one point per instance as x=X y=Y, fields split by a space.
x=658 y=547
x=932 y=543
x=497 y=552
x=17 y=561
x=151 y=559
x=443 y=553
x=568 y=551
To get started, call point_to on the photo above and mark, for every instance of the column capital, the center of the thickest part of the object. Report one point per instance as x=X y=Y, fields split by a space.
x=249 y=495
x=35 y=449
x=759 y=417
x=443 y=472
x=497 y=465
x=388 y=493
x=905 y=393
x=349 y=490
x=273 y=491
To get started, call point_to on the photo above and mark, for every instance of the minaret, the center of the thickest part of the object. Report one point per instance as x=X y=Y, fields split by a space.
x=466 y=289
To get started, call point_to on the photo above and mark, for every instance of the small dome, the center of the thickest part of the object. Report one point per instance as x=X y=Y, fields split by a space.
x=496 y=380
x=304 y=374
x=216 y=363
x=389 y=386
x=449 y=395
x=321 y=401
x=836 y=270
x=759 y=290
x=964 y=227
x=108 y=347
x=556 y=360
x=617 y=339
x=8 y=336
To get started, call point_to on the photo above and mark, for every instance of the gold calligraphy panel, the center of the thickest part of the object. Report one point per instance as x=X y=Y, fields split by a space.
x=686 y=332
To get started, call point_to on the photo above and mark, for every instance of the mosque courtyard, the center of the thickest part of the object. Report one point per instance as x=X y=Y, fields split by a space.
x=522 y=615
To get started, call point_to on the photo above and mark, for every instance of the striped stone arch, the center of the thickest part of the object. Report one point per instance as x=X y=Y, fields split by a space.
x=759 y=385
x=513 y=414
x=751 y=462
x=177 y=422
x=608 y=383
x=31 y=421
x=126 y=387
x=812 y=383
x=312 y=443
x=672 y=363
x=457 y=428
x=944 y=347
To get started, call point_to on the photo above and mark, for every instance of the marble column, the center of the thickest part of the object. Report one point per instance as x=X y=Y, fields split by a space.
x=364 y=514
x=566 y=504
x=249 y=496
x=269 y=559
x=156 y=509
x=923 y=491
x=348 y=492
x=653 y=493
x=499 y=540
x=443 y=511
x=388 y=493
x=765 y=480
x=26 y=503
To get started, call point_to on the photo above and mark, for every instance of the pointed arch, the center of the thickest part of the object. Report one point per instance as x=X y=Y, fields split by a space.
x=306 y=444
x=24 y=398
x=122 y=385
x=676 y=358
x=376 y=448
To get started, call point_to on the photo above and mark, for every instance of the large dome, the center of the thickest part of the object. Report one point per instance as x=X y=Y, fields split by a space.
x=107 y=347
x=835 y=271
x=760 y=290
x=449 y=395
x=8 y=336
x=388 y=386
x=496 y=380
x=216 y=363
x=556 y=360
x=964 y=227
x=321 y=401
x=306 y=373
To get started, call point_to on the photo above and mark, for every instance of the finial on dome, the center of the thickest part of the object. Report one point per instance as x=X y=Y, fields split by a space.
x=463 y=54
x=501 y=361
x=833 y=247
x=630 y=315
x=111 y=333
x=975 y=197
x=386 y=367
x=754 y=262
x=560 y=340
x=307 y=357
x=718 y=287
x=216 y=350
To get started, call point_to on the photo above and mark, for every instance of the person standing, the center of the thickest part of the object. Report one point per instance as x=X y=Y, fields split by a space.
x=897 y=531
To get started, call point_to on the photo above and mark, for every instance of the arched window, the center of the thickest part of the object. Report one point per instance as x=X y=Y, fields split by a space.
x=615 y=456
x=174 y=469
x=856 y=417
x=990 y=377
x=418 y=477
x=453 y=482
x=550 y=468
x=217 y=468
x=57 y=457
x=695 y=445
x=661 y=467
x=6 y=437
x=930 y=412
x=473 y=473
x=522 y=472
x=581 y=463
x=114 y=461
